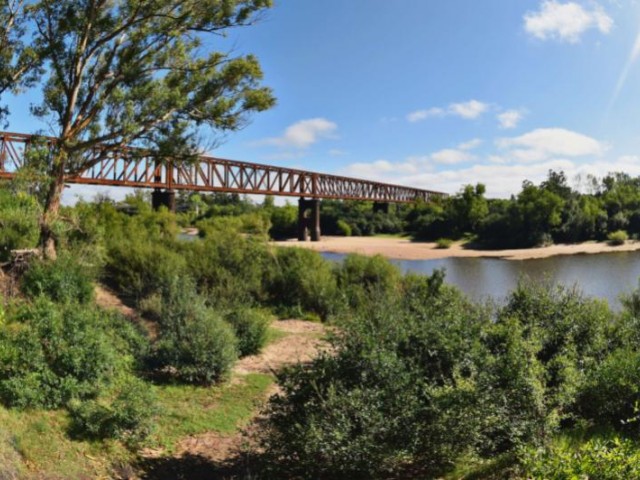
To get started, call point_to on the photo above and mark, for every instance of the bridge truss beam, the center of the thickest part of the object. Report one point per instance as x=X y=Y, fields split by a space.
x=131 y=167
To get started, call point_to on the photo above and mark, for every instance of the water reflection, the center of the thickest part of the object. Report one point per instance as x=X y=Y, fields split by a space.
x=605 y=275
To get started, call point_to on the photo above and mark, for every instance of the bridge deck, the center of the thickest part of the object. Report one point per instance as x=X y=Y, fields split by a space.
x=130 y=167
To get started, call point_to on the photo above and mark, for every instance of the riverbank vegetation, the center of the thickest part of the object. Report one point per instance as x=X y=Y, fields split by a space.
x=605 y=209
x=417 y=382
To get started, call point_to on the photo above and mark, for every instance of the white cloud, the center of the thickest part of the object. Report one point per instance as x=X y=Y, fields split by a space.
x=545 y=143
x=566 y=21
x=424 y=114
x=526 y=157
x=471 y=144
x=510 y=119
x=468 y=110
x=303 y=134
x=452 y=156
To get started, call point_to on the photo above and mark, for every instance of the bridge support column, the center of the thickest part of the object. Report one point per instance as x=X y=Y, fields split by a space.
x=163 y=198
x=309 y=220
x=381 y=207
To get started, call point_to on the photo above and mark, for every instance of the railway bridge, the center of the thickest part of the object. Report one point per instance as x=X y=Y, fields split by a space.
x=139 y=168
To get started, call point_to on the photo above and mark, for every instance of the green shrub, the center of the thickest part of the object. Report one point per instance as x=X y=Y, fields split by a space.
x=613 y=459
x=250 y=326
x=62 y=280
x=303 y=282
x=126 y=414
x=360 y=278
x=50 y=355
x=195 y=345
x=18 y=222
x=611 y=394
x=619 y=237
x=343 y=228
x=444 y=243
x=396 y=395
x=139 y=268
x=229 y=269
x=571 y=335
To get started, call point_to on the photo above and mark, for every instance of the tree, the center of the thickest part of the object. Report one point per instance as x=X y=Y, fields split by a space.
x=134 y=72
x=16 y=61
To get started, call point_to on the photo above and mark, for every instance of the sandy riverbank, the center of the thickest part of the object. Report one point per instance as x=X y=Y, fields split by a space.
x=405 y=249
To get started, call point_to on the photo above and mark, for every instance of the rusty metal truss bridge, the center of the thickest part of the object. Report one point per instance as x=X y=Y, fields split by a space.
x=130 y=167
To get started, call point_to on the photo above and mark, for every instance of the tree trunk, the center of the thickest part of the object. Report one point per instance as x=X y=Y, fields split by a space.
x=49 y=216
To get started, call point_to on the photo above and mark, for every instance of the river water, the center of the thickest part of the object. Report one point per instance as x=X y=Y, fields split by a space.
x=604 y=275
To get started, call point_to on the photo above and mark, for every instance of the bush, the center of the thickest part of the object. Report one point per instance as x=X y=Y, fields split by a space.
x=195 y=345
x=612 y=459
x=611 y=394
x=50 y=355
x=343 y=228
x=139 y=268
x=303 y=282
x=396 y=395
x=250 y=326
x=619 y=237
x=127 y=414
x=18 y=222
x=444 y=243
x=228 y=268
x=360 y=278
x=63 y=280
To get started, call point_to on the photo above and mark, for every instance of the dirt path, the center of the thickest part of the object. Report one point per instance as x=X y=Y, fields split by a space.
x=301 y=343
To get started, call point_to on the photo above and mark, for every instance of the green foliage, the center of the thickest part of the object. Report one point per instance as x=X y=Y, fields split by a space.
x=612 y=459
x=62 y=280
x=619 y=237
x=444 y=243
x=228 y=268
x=250 y=326
x=284 y=222
x=126 y=413
x=139 y=268
x=343 y=228
x=611 y=395
x=18 y=222
x=51 y=354
x=361 y=278
x=195 y=344
x=397 y=395
x=302 y=282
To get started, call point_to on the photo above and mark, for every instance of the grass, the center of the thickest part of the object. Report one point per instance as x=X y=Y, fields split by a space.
x=189 y=410
x=273 y=335
x=35 y=443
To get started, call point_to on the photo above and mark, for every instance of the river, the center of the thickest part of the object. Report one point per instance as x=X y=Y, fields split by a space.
x=604 y=275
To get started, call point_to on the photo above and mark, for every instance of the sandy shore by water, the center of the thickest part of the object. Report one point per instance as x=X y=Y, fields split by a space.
x=405 y=249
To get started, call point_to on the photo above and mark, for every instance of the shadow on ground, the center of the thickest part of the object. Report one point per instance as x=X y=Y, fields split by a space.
x=196 y=467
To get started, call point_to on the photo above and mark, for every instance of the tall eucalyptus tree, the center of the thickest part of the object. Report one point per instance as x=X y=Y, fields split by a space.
x=142 y=72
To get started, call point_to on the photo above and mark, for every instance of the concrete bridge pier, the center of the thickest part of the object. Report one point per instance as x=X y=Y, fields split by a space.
x=163 y=198
x=309 y=220
x=381 y=207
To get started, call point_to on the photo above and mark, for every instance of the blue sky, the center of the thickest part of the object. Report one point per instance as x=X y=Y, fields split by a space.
x=438 y=94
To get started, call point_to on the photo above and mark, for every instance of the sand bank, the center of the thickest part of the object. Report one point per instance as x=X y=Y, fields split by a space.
x=405 y=249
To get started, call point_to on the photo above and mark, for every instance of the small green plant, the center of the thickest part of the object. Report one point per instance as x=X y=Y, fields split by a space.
x=444 y=243
x=63 y=280
x=619 y=237
x=127 y=414
x=251 y=327
x=196 y=345
x=343 y=228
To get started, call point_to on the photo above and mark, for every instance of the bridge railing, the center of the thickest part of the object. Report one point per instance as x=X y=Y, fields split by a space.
x=136 y=168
